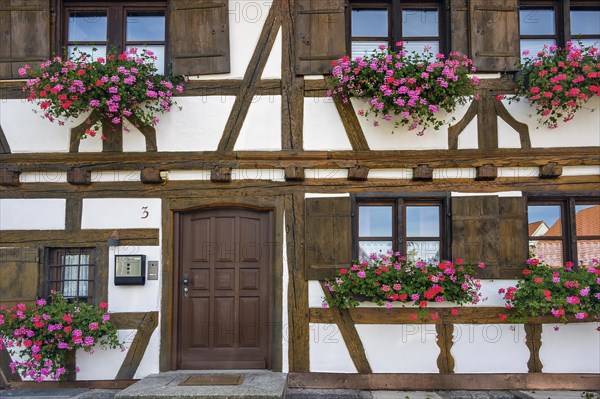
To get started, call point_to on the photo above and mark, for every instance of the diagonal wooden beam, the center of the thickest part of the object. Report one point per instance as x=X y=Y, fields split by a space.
x=455 y=130
x=149 y=133
x=138 y=346
x=249 y=85
x=4 y=147
x=520 y=127
x=344 y=321
x=350 y=122
x=292 y=86
x=78 y=131
x=5 y=360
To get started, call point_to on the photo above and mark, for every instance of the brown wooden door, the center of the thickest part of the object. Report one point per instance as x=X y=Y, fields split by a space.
x=223 y=322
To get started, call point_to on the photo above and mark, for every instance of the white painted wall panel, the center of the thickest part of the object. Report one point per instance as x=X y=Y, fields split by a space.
x=258 y=174
x=115 y=176
x=574 y=348
x=43 y=177
x=386 y=344
x=390 y=174
x=273 y=65
x=103 y=364
x=326 y=173
x=121 y=213
x=32 y=214
x=262 y=127
x=323 y=128
x=489 y=348
x=328 y=351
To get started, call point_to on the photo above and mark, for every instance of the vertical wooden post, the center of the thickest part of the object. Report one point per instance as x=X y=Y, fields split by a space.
x=70 y=365
x=533 y=340
x=445 y=361
x=113 y=136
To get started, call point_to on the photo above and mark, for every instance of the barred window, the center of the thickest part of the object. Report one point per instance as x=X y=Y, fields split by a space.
x=71 y=272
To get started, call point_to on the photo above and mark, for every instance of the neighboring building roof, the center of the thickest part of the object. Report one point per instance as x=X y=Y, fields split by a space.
x=587 y=222
x=537 y=228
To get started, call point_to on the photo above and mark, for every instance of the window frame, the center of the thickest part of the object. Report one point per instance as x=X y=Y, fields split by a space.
x=562 y=10
x=51 y=255
x=568 y=220
x=399 y=202
x=395 y=9
x=116 y=24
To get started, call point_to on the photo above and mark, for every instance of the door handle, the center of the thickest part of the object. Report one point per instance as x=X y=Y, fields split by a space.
x=186 y=290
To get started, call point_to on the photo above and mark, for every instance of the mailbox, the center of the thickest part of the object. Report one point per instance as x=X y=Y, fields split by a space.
x=130 y=269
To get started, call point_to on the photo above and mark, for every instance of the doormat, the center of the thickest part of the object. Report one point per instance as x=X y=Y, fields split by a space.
x=212 y=379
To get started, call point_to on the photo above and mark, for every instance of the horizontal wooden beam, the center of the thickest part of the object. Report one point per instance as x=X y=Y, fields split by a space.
x=502 y=157
x=530 y=381
x=466 y=315
x=127 y=237
x=261 y=188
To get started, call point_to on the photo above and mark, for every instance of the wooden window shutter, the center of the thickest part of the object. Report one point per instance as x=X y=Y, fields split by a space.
x=24 y=35
x=459 y=26
x=19 y=268
x=475 y=231
x=494 y=34
x=513 y=235
x=199 y=36
x=320 y=35
x=328 y=236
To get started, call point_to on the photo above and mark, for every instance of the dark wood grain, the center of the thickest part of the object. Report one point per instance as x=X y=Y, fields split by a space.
x=444 y=340
x=138 y=347
x=533 y=340
x=423 y=172
x=78 y=238
x=74 y=208
x=4 y=146
x=551 y=170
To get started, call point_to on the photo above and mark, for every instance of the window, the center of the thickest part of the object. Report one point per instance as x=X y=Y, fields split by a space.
x=412 y=226
x=543 y=23
x=562 y=230
x=71 y=272
x=115 y=26
x=417 y=24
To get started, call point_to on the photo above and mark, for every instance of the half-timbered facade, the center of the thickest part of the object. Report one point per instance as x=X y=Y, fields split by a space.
x=262 y=186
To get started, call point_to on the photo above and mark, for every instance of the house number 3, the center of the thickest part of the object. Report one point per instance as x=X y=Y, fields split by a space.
x=145 y=212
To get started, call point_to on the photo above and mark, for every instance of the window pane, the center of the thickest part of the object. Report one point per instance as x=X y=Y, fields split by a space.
x=366 y=248
x=550 y=251
x=536 y=22
x=419 y=47
x=422 y=221
x=373 y=23
x=375 y=221
x=84 y=275
x=587 y=220
x=159 y=52
x=534 y=46
x=428 y=251
x=544 y=220
x=145 y=26
x=70 y=278
x=87 y=26
x=587 y=42
x=75 y=50
x=417 y=23
x=360 y=49
x=587 y=250
x=585 y=22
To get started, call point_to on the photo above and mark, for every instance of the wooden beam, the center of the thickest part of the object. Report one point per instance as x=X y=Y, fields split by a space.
x=252 y=76
x=294 y=173
x=487 y=122
x=149 y=133
x=350 y=121
x=358 y=173
x=150 y=176
x=77 y=132
x=551 y=170
x=502 y=157
x=74 y=208
x=418 y=382
x=138 y=346
x=486 y=172
x=5 y=361
x=9 y=178
x=455 y=130
x=423 y=172
x=520 y=127
x=78 y=238
x=298 y=331
x=444 y=340
x=191 y=188
x=79 y=176
x=343 y=320
x=466 y=315
x=533 y=340
x=220 y=174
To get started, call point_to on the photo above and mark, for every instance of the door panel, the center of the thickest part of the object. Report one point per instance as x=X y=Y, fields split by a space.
x=224 y=322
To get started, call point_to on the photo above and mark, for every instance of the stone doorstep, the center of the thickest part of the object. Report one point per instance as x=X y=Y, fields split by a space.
x=257 y=384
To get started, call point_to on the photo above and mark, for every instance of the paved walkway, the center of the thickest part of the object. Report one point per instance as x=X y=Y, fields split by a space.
x=82 y=393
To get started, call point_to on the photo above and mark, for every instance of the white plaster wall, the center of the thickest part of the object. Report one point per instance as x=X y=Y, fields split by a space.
x=115 y=176
x=258 y=174
x=262 y=127
x=407 y=348
x=121 y=213
x=454 y=173
x=88 y=361
x=574 y=348
x=583 y=130
x=32 y=214
x=388 y=137
x=198 y=126
x=326 y=173
x=519 y=172
x=273 y=65
x=188 y=175
x=489 y=348
x=390 y=174
x=246 y=20
x=323 y=128
x=588 y=170
x=43 y=177
x=328 y=351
